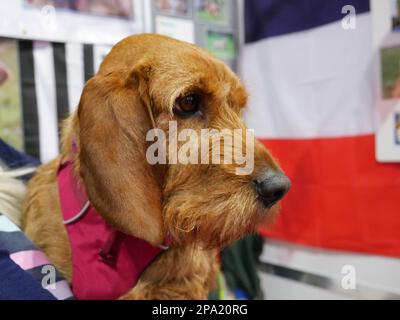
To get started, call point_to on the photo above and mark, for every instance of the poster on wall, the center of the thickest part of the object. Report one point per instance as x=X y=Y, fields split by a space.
x=180 y=29
x=180 y=8
x=11 y=121
x=386 y=41
x=212 y=11
x=213 y=24
x=222 y=45
x=389 y=100
x=397 y=128
x=86 y=21
x=390 y=72
x=395 y=15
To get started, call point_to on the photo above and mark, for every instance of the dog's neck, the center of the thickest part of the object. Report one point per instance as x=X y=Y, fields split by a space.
x=70 y=144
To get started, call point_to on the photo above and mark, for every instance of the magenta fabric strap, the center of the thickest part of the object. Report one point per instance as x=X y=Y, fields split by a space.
x=106 y=263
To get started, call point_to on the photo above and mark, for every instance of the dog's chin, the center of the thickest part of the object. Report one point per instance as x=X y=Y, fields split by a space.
x=217 y=232
x=269 y=215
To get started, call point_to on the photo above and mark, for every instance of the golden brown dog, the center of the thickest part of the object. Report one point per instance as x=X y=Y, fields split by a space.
x=199 y=208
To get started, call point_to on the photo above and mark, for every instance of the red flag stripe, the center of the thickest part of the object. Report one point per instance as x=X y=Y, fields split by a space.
x=341 y=197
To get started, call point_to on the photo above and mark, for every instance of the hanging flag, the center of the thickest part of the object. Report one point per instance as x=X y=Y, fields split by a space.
x=310 y=78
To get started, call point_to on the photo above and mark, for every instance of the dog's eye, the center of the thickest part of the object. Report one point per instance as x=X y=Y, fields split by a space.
x=187 y=106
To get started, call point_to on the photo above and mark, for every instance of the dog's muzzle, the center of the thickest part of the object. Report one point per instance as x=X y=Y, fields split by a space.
x=271 y=186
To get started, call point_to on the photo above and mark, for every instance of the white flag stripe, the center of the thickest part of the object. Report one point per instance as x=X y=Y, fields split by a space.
x=46 y=100
x=75 y=73
x=312 y=84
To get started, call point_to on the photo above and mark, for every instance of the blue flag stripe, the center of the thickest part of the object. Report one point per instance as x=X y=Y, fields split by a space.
x=269 y=18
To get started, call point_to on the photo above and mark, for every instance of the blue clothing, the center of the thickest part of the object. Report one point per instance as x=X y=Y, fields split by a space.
x=13 y=159
x=16 y=284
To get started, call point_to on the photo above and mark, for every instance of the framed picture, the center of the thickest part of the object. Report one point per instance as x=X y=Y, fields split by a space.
x=390 y=72
x=78 y=21
x=212 y=11
x=11 y=118
x=104 y=8
x=395 y=14
x=181 y=29
x=173 y=7
x=221 y=44
x=385 y=40
x=397 y=128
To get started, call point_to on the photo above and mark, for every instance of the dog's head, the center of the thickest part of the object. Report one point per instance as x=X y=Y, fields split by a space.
x=152 y=81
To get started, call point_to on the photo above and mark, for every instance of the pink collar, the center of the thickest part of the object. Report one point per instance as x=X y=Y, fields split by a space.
x=106 y=264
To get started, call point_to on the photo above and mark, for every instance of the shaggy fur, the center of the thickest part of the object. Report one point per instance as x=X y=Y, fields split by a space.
x=198 y=208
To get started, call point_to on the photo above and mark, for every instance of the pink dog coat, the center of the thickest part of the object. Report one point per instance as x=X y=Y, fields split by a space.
x=106 y=264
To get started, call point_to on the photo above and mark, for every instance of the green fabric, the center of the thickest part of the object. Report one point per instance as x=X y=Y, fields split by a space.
x=219 y=292
x=239 y=265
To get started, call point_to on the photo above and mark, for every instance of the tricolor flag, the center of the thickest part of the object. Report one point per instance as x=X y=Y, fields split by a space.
x=312 y=103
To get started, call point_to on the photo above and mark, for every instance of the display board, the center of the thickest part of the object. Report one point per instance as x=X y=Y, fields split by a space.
x=212 y=24
x=386 y=31
x=50 y=48
x=85 y=21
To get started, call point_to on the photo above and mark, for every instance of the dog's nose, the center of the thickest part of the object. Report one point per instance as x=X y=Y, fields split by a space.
x=271 y=186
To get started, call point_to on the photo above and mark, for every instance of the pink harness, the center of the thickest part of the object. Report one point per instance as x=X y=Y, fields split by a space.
x=106 y=264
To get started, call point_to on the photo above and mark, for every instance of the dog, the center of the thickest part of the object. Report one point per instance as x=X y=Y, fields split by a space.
x=147 y=81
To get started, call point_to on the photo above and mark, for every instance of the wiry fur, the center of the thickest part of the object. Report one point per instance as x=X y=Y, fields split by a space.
x=199 y=208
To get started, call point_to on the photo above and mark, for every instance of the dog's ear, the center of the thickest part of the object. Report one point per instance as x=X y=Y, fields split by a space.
x=119 y=181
